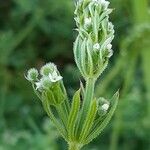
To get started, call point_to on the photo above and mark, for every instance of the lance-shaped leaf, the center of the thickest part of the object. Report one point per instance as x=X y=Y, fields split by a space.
x=49 y=97
x=104 y=14
x=88 y=121
x=77 y=54
x=103 y=124
x=83 y=56
x=96 y=25
x=53 y=118
x=90 y=61
x=73 y=115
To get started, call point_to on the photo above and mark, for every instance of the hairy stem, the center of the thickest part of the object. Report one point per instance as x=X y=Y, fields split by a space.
x=88 y=97
x=90 y=84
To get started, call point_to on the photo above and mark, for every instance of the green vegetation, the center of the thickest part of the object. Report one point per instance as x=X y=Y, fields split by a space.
x=33 y=32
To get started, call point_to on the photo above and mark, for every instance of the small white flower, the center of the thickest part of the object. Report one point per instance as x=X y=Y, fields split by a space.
x=96 y=46
x=54 y=77
x=87 y=21
x=105 y=107
x=38 y=85
x=44 y=83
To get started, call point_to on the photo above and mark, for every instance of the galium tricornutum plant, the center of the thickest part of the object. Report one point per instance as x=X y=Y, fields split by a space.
x=83 y=118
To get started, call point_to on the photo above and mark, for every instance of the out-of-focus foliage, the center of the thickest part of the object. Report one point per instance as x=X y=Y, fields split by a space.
x=33 y=32
x=37 y=140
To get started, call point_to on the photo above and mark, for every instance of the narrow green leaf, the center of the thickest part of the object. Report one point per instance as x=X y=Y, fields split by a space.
x=103 y=124
x=88 y=121
x=82 y=88
x=88 y=97
x=49 y=96
x=83 y=56
x=52 y=117
x=104 y=14
x=59 y=96
x=36 y=92
x=95 y=25
x=77 y=54
x=90 y=61
x=62 y=114
x=91 y=10
x=73 y=115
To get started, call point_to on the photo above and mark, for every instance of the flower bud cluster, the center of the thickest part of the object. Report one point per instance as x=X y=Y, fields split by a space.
x=93 y=48
x=47 y=82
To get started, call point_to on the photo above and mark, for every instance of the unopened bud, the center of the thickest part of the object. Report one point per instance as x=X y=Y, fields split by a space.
x=109 y=46
x=32 y=75
x=87 y=22
x=105 y=107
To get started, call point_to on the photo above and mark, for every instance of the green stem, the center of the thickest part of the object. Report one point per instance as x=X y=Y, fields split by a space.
x=89 y=93
x=88 y=97
x=74 y=146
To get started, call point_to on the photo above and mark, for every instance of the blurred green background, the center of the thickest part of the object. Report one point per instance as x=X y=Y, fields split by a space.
x=33 y=32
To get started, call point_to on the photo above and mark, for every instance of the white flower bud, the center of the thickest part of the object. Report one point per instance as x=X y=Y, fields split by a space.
x=87 y=22
x=47 y=69
x=32 y=75
x=110 y=53
x=104 y=3
x=105 y=106
x=96 y=46
x=109 y=46
x=54 y=77
x=110 y=26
